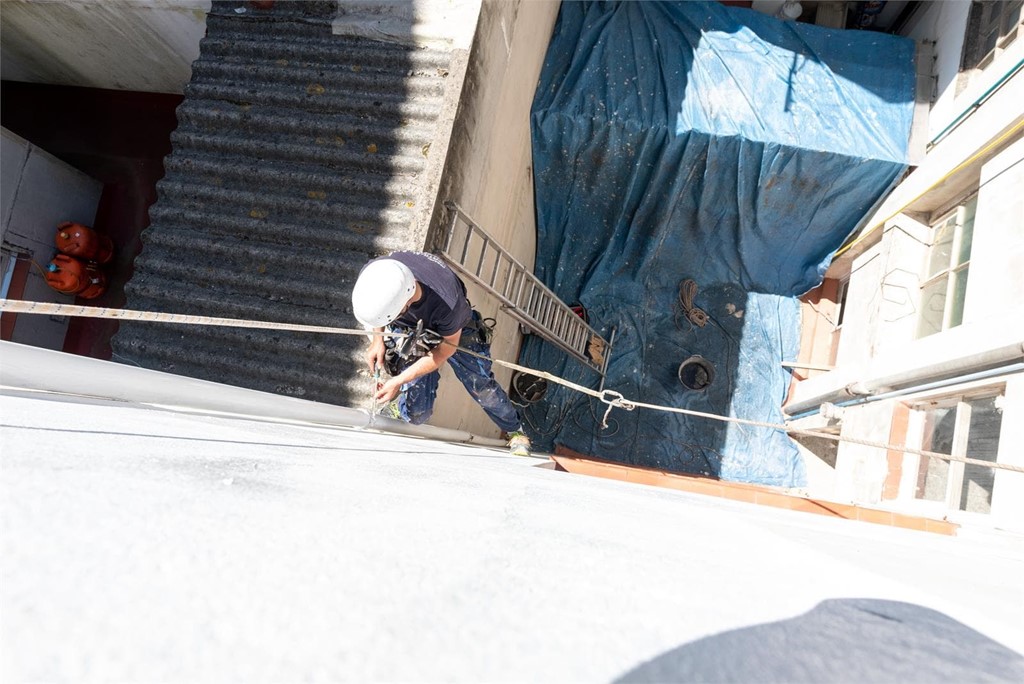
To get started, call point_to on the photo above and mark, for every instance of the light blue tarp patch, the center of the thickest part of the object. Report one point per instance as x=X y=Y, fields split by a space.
x=690 y=140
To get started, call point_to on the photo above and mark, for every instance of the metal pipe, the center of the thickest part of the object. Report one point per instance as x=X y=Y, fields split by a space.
x=1011 y=353
x=1000 y=356
x=977 y=103
x=807 y=366
x=938 y=384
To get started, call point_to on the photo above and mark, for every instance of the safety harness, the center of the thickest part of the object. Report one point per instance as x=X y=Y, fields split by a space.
x=401 y=352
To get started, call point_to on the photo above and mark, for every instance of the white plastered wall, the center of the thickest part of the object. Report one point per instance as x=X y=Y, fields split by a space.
x=995 y=288
x=141 y=45
x=856 y=345
x=861 y=470
x=883 y=286
x=490 y=168
x=1008 y=489
x=995 y=293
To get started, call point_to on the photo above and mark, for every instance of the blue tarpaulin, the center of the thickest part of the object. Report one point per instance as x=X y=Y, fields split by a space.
x=694 y=141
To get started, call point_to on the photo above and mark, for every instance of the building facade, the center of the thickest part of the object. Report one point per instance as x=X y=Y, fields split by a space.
x=915 y=337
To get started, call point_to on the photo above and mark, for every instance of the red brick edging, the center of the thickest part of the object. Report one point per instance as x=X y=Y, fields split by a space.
x=579 y=464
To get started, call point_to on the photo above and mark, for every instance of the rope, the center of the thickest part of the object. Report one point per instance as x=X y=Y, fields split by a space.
x=610 y=397
x=615 y=400
x=49 y=308
x=694 y=314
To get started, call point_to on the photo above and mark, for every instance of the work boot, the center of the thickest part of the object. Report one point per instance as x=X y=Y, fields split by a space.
x=518 y=443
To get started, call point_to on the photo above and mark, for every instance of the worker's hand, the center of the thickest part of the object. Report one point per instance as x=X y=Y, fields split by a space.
x=375 y=354
x=388 y=390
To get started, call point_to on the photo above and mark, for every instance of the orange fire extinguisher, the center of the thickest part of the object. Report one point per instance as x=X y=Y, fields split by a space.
x=83 y=242
x=70 y=276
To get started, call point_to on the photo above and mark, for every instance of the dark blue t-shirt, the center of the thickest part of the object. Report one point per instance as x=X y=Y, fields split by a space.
x=443 y=307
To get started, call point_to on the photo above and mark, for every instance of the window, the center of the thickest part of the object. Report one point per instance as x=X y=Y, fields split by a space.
x=991 y=26
x=944 y=281
x=844 y=287
x=842 y=291
x=961 y=426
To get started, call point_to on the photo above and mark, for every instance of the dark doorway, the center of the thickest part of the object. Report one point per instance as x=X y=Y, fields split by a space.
x=120 y=138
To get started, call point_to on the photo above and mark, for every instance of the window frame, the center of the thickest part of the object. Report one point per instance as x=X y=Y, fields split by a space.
x=981 y=18
x=953 y=268
x=952 y=500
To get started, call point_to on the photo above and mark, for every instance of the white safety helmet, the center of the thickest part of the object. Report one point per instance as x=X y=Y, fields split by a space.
x=382 y=290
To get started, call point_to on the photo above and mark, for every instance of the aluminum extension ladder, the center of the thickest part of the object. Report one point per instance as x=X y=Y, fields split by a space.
x=475 y=255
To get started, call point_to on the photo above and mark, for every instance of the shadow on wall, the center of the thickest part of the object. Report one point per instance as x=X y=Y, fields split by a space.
x=299 y=156
x=841 y=640
x=688 y=141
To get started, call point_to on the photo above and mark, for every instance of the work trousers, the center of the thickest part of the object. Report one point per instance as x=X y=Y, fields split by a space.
x=416 y=401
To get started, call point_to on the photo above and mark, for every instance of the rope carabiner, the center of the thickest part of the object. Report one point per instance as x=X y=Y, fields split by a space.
x=613 y=399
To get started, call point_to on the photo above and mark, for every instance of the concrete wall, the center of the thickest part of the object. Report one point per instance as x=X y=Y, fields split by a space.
x=144 y=45
x=861 y=470
x=489 y=168
x=450 y=23
x=38 y=191
x=1008 y=490
x=881 y=312
x=995 y=288
x=942 y=23
x=856 y=345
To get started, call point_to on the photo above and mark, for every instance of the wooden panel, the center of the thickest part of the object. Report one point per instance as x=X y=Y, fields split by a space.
x=579 y=464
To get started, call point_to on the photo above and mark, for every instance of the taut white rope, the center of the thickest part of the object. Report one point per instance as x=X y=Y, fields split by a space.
x=611 y=398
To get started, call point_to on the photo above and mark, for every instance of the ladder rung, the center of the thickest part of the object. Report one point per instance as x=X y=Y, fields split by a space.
x=510 y=282
x=520 y=292
x=483 y=253
x=494 y=271
x=516 y=282
x=465 y=245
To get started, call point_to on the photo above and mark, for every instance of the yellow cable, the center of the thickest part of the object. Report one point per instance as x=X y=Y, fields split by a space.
x=956 y=168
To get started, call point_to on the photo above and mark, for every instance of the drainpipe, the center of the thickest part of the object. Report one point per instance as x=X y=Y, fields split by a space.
x=938 y=384
x=977 y=103
x=994 y=359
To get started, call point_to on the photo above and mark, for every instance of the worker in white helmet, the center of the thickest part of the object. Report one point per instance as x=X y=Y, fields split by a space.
x=399 y=292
